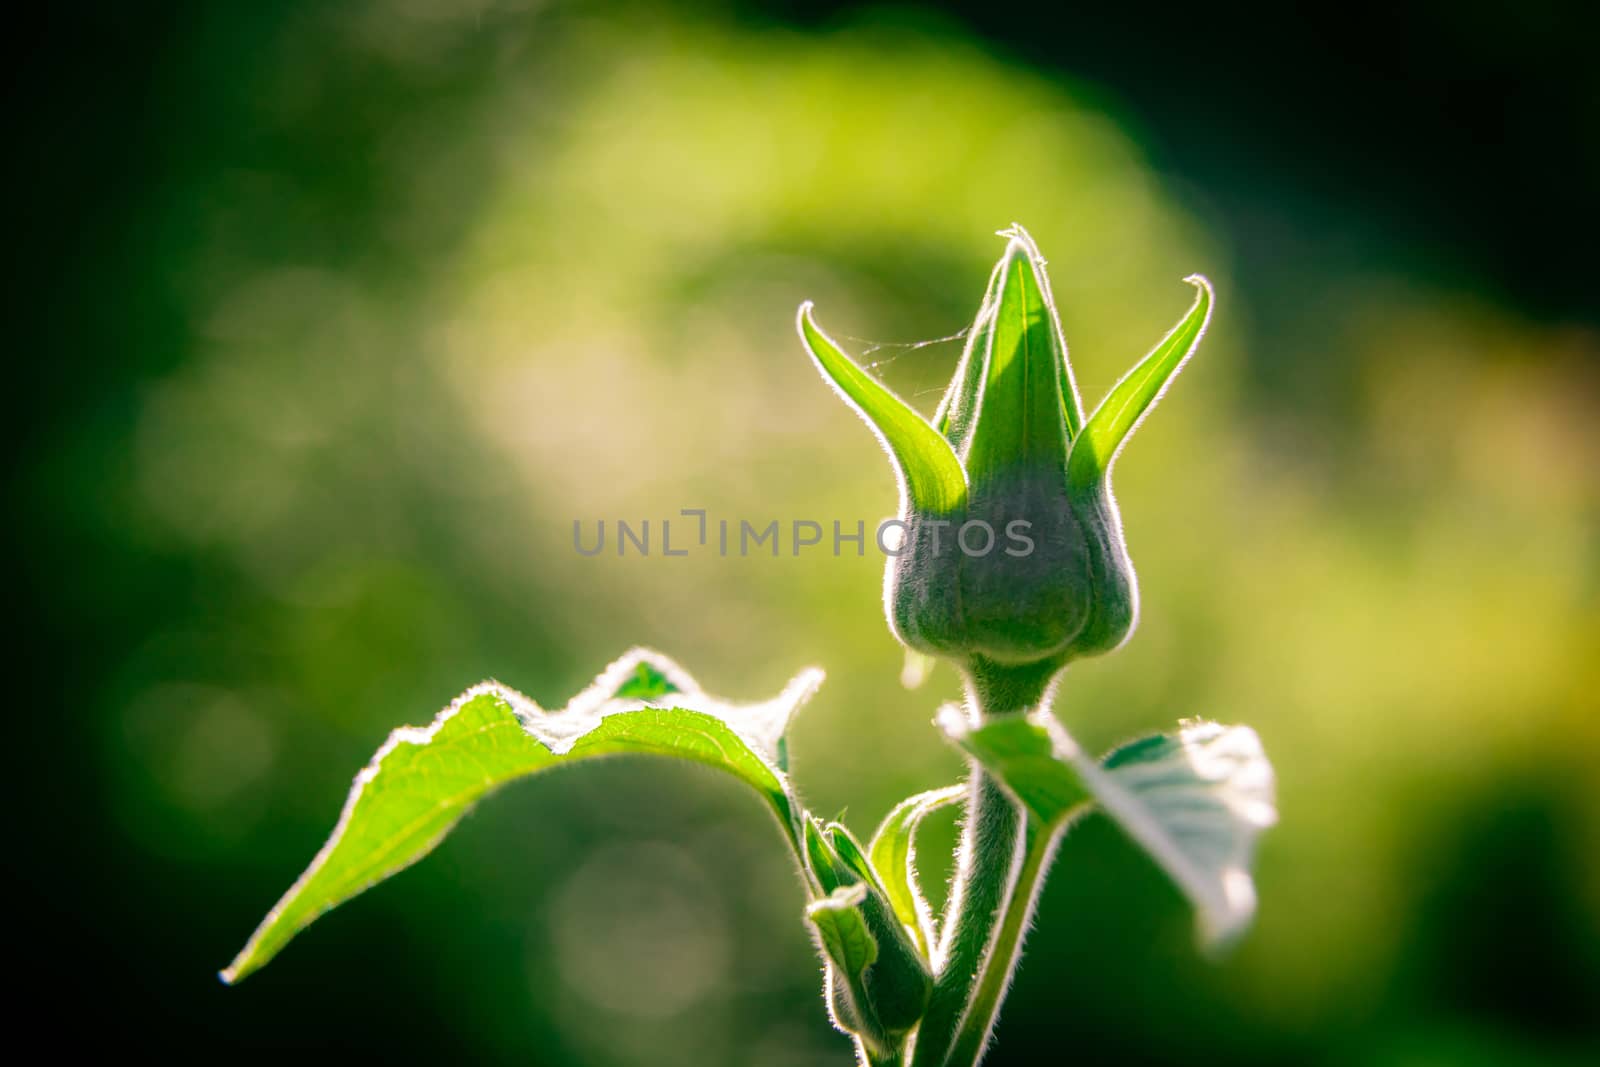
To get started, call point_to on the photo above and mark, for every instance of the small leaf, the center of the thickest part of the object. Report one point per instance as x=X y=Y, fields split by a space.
x=850 y=951
x=422 y=781
x=894 y=856
x=827 y=869
x=843 y=932
x=1196 y=802
x=849 y=851
x=931 y=477
x=1096 y=448
x=647 y=682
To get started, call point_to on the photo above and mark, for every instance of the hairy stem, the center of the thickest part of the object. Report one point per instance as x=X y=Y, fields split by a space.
x=989 y=859
x=1005 y=952
x=978 y=893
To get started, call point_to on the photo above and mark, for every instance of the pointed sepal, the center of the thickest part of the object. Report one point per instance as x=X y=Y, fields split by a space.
x=931 y=478
x=1024 y=420
x=1096 y=448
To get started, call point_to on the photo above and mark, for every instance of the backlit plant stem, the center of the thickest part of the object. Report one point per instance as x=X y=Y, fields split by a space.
x=1000 y=963
x=991 y=861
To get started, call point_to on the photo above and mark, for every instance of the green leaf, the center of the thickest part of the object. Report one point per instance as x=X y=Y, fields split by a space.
x=850 y=854
x=648 y=682
x=1096 y=448
x=1022 y=754
x=850 y=951
x=1195 y=801
x=893 y=854
x=822 y=864
x=422 y=781
x=931 y=477
x=848 y=943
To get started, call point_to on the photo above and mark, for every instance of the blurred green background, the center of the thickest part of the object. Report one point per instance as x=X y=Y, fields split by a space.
x=336 y=317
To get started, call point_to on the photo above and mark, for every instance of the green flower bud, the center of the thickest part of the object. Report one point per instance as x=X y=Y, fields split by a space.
x=886 y=998
x=1013 y=550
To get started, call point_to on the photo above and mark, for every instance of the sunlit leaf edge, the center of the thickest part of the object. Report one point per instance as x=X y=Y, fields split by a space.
x=592 y=724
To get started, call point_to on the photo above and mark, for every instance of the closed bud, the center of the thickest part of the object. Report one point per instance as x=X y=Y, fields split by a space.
x=1013 y=550
x=884 y=1001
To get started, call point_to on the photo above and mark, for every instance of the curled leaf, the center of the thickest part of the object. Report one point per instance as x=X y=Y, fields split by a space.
x=1195 y=801
x=894 y=856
